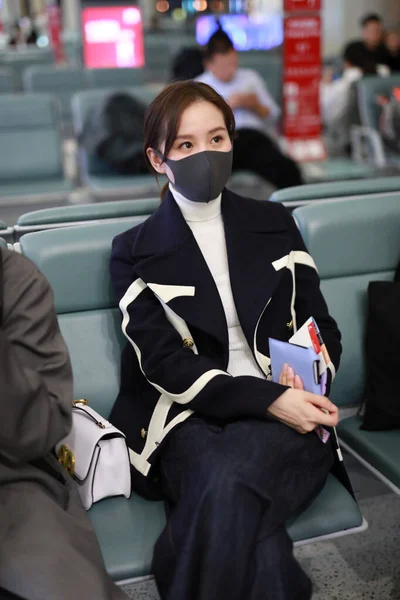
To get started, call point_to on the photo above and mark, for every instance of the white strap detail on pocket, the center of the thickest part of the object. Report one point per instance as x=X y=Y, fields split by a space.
x=169 y=292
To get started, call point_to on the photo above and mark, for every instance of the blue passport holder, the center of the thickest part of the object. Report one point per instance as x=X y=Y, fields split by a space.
x=304 y=362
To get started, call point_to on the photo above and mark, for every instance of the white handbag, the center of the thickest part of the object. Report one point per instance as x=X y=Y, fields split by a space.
x=96 y=455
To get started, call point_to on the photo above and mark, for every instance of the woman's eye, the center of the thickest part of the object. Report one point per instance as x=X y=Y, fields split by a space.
x=216 y=139
x=186 y=145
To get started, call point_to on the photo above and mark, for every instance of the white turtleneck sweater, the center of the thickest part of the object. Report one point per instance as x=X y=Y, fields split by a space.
x=205 y=221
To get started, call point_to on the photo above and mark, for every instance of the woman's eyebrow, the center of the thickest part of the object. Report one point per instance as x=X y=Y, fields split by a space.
x=189 y=136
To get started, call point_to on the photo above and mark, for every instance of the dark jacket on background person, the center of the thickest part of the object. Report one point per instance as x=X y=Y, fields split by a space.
x=48 y=548
x=177 y=353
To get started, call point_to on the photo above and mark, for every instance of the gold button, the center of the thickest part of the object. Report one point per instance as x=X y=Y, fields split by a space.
x=188 y=343
x=289 y=325
x=143 y=433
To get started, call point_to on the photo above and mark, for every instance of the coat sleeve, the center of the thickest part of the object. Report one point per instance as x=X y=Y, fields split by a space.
x=177 y=372
x=35 y=371
x=310 y=302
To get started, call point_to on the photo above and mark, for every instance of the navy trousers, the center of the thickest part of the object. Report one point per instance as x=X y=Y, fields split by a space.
x=230 y=488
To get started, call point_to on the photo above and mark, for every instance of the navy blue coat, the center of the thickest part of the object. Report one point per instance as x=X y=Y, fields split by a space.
x=177 y=353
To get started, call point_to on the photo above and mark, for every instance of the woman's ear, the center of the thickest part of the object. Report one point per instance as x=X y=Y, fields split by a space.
x=156 y=162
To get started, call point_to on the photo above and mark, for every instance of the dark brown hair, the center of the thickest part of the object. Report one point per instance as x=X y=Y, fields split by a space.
x=161 y=122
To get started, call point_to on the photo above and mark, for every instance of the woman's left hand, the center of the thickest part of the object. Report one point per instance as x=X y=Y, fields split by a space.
x=288 y=377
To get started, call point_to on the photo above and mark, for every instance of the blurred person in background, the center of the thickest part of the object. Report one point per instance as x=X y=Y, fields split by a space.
x=393 y=45
x=372 y=45
x=256 y=114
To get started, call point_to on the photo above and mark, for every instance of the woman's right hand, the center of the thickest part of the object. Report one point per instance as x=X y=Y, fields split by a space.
x=302 y=410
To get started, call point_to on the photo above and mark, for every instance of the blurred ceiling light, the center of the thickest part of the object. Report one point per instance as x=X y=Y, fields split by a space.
x=200 y=5
x=162 y=6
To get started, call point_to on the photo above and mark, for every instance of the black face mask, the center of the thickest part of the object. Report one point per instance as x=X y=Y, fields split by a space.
x=201 y=177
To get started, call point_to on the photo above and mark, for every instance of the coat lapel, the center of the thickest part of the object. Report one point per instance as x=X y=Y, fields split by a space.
x=255 y=237
x=172 y=257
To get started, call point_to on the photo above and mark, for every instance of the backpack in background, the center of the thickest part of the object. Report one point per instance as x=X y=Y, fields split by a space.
x=114 y=134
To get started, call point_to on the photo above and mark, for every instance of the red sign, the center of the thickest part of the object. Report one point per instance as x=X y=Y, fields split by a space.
x=301 y=84
x=55 y=28
x=112 y=37
x=301 y=5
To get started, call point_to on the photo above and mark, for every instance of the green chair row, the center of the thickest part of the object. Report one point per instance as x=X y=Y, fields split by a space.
x=3 y=243
x=65 y=216
x=341 y=190
x=31 y=166
x=352 y=247
x=89 y=319
x=7 y=81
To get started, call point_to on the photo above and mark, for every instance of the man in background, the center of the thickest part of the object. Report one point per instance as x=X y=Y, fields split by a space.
x=371 y=46
x=256 y=114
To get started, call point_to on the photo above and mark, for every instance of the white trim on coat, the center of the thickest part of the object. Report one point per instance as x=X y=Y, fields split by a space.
x=176 y=321
x=190 y=393
x=169 y=292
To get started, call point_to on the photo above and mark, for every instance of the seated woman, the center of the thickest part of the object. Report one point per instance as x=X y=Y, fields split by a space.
x=202 y=285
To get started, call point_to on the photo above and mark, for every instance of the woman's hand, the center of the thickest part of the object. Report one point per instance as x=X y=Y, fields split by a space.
x=303 y=411
x=289 y=378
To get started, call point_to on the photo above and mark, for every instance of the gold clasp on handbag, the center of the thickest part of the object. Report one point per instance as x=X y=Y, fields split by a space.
x=67 y=458
x=81 y=401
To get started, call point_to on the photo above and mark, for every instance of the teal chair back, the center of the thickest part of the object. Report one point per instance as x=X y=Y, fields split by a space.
x=75 y=261
x=78 y=213
x=352 y=245
x=61 y=81
x=30 y=142
x=7 y=81
x=21 y=60
x=368 y=89
x=3 y=243
x=115 y=78
x=317 y=192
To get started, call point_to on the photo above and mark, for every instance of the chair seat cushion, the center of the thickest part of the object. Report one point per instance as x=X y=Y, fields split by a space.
x=381 y=449
x=128 y=529
x=332 y=511
x=40 y=187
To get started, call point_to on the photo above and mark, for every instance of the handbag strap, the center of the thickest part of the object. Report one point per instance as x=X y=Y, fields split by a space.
x=99 y=423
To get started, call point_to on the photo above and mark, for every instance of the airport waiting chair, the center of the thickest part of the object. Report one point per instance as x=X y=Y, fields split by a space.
x=115 y=78
x=368 y=91
x=269 y=67
x=93 y=172
x=62 y=81
x=336 y=190
x=3 y=243
x=352 y=247
x=79 y=214
x=7 y=81
x=19 y=60
x=31 y=165
x=90 y=322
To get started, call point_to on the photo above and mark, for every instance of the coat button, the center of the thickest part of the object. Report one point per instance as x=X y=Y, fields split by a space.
x=143 y=433
x=188 y=343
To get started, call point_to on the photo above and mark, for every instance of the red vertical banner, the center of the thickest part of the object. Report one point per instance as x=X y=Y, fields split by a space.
x=55 y=30
x=302 y=126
